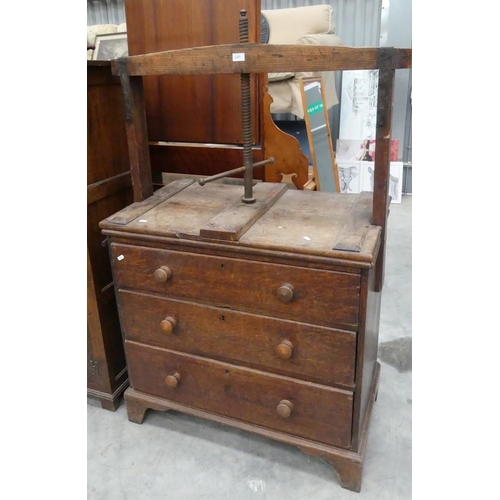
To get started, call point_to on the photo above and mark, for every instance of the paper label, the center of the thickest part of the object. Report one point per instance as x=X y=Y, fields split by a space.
x=238 y=56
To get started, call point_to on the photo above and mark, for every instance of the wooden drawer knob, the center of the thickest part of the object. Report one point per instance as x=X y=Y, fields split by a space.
x=284 y=349
x=284 y=409
x=285 y=292
x=168 y=325
x=173 y=380
x=162 y=274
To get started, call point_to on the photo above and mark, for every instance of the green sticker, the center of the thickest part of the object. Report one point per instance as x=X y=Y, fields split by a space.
x=315 y=107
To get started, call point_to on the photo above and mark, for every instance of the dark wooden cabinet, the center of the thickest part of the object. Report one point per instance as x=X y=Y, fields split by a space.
x=210 y=105
x=195 y=121
x=108 y=190
x=274 y=332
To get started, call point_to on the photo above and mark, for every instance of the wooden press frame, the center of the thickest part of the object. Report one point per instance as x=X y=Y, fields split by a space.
x=262 y=58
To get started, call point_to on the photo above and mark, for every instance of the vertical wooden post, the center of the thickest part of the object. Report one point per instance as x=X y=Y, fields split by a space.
x=137 y=132
x=382 y=155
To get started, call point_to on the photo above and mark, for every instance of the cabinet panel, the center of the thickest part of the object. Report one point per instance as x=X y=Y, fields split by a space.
x=204 y=108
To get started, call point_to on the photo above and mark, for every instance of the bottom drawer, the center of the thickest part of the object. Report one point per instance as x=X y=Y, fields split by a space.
x=304 y=409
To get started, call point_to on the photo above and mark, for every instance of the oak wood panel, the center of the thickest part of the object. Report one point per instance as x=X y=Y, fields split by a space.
x=95 y=345
x=314 y=222
x=108 y=187
x=107 y=150
x=319 y=412
x=97 y=248
x=201 y=159
x=135 y=210
x=331 y=263
x=105 y=353
x=262 y=58
x=366 y=357
x=318 y=354
x=300 y=221
x=355 y=228
x=108 y=190
x=320 y=297
x=210 y=105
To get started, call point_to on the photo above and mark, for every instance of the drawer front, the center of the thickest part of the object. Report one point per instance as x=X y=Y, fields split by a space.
x=308 y=295
x=300 y=408
x=301 y=350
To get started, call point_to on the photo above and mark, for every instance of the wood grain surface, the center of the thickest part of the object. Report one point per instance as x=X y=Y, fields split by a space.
x=320 y=297
x=319 y=412
x=318 y=354
x=262 y=58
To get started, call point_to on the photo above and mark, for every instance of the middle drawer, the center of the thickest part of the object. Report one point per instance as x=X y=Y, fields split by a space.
x=290 y=348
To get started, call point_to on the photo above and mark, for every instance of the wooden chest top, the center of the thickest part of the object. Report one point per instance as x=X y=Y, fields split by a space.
x=303 y=222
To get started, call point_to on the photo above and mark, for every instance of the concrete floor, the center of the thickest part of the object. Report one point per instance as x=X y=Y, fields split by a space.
x=174 y=456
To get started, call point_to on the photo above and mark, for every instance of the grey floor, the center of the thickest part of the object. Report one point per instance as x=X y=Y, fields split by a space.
x=173 y=456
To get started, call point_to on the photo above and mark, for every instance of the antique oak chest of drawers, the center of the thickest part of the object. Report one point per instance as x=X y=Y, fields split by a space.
x=262 y=317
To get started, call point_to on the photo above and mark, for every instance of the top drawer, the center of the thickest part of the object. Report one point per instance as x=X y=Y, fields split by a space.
x=310 y=295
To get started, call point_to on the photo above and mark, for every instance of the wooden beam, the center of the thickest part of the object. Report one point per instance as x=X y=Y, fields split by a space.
x=108 y=187
x=137 y=132
x=260 y=58
x=382 y=154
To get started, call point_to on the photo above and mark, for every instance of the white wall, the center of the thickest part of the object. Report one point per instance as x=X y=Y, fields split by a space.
x=105 y=12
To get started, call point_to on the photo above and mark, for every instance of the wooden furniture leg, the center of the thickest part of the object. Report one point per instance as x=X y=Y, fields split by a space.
x=109 y=404
x=136 y=410
x=137 y=405
x=349 y=465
